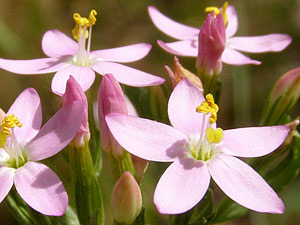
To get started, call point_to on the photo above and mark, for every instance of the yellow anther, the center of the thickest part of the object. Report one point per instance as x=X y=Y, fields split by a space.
x=217 y=11
x=9 y=121
x=83 y=21
x=209 y=106
x=214 y=136
x=3 y=138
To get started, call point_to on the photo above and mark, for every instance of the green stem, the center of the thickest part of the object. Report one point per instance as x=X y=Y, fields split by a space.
x=121 y=164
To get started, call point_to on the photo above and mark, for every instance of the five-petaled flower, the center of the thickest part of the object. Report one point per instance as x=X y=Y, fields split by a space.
x=188 y=38
x=200 y=151
x=23 y=143
x=66 y=57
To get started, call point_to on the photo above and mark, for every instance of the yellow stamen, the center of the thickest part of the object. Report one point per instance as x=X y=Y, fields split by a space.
x=209 y=106
x=217 y=11
x=8 y=122
x=214 y=136
x=83 y=22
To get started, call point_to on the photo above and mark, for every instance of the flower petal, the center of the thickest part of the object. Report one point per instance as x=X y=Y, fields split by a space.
x=182 y=107
x=6 y=181
x=182 y=186
x=32 y=66
x=170 y=27
x=181 y=48
x=82 y=74
x=123 y=54
x=259 y=44
x=253 y=141
x=128 y=75
x=27 y=108
x=41 y=189
x=145 y=138
x=57 y=132
x=244 y=185
x=233 y=57
x=56 y=44
x=232 y=21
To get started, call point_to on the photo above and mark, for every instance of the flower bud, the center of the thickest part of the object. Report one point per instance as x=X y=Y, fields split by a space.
x=180 y=72
x=282 y=99
x=110 y=100
x=211 y=44
x=126 y=199
x=75 y=93
x=140 y=166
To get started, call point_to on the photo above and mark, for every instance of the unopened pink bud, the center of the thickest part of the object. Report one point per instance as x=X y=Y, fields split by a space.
x=75 y=93
x=180 y=72
x=211 y=44
x=126 y=199
x=110 y=100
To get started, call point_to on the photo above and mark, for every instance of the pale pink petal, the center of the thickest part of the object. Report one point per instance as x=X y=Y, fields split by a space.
x=182 y=107
x=259 y=44
x=170 y=27
x=182 y=48
x=128 y=75
x=145 y=138
x=6 y=181
x=123 y=54
x=233 y=57
x=130 y=107
x=82 y=74
x=56 y=44
x=57 y=132
x=182 y=186
x=232 y=21
x=244 y=185
x=32 y=66
x=27 y=108
x=253 y=141
x=41 y=189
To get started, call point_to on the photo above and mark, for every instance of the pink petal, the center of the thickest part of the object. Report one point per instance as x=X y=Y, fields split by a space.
x=182 y=107
x=233 y=57
x=170 y=27
x=259 y=44
x=244 y=185
x=56 y=44
x=27 y=108
x=145 y=138
x=82 y=74
x=232 y=21
x=57 y=132
x=128 y=75
x=253 y=141
x=32 y=66
x=181 y=48
x=6 y=181
x=182 y=186
x=41 y=189
x=123 y=54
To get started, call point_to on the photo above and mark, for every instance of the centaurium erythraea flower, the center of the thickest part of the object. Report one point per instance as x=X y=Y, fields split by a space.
x=23 y=143
x=200 y=151
x=67 y=57
x=188 y=38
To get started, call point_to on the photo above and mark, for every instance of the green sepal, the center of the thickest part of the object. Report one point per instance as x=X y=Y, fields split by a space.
x=121 y=164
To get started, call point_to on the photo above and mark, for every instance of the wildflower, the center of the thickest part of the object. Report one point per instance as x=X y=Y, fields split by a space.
x=23 y=143
x=188 y=38
x=200 y=151
x=66 y=57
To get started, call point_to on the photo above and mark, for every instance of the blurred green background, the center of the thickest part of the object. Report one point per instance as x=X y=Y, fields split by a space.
x=124 y=22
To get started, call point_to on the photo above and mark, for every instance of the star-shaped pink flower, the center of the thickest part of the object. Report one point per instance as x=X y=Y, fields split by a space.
x=67 y=57
x=199 y=152
x=188 y=39
x=27 y=144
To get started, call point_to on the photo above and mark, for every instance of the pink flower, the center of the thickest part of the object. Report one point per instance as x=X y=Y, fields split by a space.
x=198 y=152
x=23 y=143
x=188 y=39
x=66 y=57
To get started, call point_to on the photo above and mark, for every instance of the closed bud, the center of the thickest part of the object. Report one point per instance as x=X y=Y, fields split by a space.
x=126 y=199
x=140 y=166
x=75 y=93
